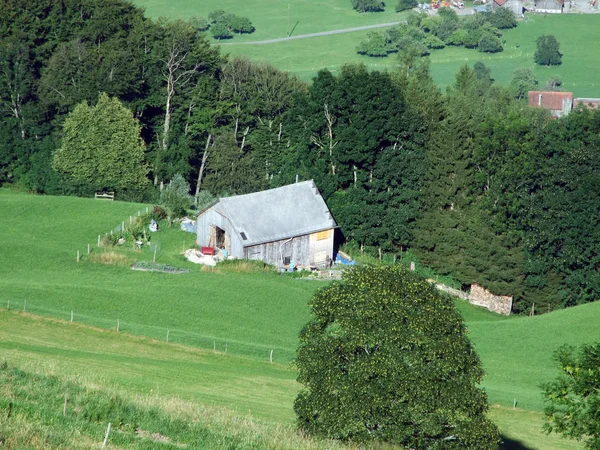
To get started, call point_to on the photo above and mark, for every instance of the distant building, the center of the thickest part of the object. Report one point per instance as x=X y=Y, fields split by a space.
x=590 y=103
x=558 y=103
x=516 y=6
x=282 y=226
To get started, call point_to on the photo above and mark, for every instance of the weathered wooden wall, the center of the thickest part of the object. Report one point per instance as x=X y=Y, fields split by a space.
x=307 y=250
x=205 y=226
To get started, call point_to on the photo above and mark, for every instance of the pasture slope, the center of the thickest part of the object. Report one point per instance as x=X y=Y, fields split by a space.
x=576 y=33
x=250 y=312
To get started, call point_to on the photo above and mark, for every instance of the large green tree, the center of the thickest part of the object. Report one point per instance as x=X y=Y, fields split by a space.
x=547 y=52
x=387 y=358
x=574 y=397
x=101 y=148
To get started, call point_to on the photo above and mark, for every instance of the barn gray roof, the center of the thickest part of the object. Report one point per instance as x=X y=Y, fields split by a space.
x=280 y=213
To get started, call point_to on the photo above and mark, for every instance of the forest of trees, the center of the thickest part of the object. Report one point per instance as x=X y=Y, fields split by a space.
x=473 y=181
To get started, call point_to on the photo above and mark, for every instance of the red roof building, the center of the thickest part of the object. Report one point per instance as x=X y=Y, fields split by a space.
x=590 y=103
x=559 y=103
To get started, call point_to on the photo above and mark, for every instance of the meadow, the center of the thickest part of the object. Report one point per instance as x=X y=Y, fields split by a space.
x=577 y=34
x=243 y=315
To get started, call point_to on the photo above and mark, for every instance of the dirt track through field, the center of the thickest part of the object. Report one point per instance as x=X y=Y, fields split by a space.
x=311 y=35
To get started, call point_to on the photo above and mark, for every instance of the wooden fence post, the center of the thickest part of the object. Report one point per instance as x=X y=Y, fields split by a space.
x=98 y=241
x=65 y=405
x=71 y=316
x=271 y=357
x=89 y=250
x=24 y=305
x=106 y=437
x=118 y=325
x=78 y=256
x=168 y=335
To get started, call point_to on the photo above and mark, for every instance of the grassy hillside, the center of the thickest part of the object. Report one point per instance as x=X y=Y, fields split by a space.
x=255 y=397
x=250 y=313
x=270 y=17
x=576 y=34
x=244 y=313
x=34 y=415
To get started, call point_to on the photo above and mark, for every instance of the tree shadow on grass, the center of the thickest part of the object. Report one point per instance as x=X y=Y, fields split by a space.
x=511 y=444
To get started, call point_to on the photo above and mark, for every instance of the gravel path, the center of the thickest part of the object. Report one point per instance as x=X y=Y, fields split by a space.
x=311 y=35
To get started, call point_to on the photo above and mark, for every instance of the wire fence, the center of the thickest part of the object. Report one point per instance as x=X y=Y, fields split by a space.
x=186 y=338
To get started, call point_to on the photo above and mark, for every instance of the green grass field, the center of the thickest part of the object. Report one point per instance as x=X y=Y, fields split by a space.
x=246 y=313
x=577 y=34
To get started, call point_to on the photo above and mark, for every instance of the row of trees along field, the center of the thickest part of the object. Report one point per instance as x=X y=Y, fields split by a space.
x=473 y=181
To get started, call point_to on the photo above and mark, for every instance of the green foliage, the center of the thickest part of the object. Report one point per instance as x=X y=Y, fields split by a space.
x=574 y=397
x=502 y=18
x=523 y=80
x=404 y=5
x=489 y=44
x=102 y=148
x=200 y=23
x=368 y=5
x=375 y=44
x=367 y=378
x=459 y=37
x=223 y=24
x=433 y=42
x=370 y=171
x=547 y=52
x=176 y=198
x=435 y=32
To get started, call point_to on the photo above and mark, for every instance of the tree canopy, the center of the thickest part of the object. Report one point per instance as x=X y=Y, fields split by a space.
x=102 y=148
x=547 y=52
x=387 y=358
x=573 y=398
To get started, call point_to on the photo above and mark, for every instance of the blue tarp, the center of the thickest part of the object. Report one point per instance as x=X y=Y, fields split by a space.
x=190 y=227
x=340 y=260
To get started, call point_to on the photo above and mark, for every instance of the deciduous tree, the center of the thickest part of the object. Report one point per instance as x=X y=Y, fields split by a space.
x=574 y=397
x=102 y=148
x=547 y=52
x=387 y=358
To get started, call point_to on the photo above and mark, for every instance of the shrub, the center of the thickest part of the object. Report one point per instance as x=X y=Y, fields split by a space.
x=489 y=44
x=403 y=5
x=176 y=198
x=376 y=44
x=433 y=42
x=472 y=38
x=159 y=213
x=199 y=23
x=387 y=358
x=502 y=18
x=368 y=5
x=458 y=37
x=220 y=31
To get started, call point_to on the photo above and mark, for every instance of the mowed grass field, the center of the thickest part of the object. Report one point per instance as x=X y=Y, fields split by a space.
x=578 y=35
x=251 y=313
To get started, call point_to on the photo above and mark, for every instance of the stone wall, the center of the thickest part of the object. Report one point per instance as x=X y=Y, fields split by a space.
x=481 y=297
x=496 y=303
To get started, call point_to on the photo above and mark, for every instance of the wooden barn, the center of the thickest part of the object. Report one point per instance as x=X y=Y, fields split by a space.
x=282 y=226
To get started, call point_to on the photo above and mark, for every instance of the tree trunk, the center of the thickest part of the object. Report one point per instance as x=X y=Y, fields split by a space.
x=201 y=171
